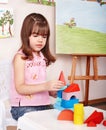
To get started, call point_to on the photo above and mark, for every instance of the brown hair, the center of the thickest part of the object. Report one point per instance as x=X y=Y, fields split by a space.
x=35 y=23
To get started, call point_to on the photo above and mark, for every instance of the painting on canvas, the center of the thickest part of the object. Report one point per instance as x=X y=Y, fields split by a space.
x=81 y=27
x=6 y=23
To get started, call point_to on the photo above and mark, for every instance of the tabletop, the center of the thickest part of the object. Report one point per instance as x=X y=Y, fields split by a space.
x=47 y=120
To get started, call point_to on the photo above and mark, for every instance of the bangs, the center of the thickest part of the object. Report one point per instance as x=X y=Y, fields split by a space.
x=40 y=29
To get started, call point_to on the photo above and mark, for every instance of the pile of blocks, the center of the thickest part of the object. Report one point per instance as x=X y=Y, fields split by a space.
x=67 y=96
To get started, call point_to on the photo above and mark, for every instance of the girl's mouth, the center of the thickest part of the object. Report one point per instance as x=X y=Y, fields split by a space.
x=39 y=45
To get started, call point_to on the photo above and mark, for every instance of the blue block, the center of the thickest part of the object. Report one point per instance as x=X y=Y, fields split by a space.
x=59 y=93
x=60 y=108
x=69 y=103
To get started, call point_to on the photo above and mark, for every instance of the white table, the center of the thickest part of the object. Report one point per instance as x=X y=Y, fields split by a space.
x=2 y=116
x=47 y=120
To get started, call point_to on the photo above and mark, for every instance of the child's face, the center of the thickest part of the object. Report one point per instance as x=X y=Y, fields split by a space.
x=37 y=42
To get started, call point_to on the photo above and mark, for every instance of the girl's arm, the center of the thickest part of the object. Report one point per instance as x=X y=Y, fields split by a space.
x=23 y=88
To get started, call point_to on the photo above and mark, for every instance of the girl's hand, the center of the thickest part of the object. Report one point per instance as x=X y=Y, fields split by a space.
x=53 y=94
x=54 y=85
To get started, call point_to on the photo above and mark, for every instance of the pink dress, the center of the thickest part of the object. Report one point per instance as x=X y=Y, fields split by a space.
x=35 y=73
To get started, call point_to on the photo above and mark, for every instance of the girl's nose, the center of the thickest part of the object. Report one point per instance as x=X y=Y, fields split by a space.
x=40 y=38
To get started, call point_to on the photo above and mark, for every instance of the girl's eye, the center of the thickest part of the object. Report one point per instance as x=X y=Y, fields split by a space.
x=35 y=35
x=44 y=36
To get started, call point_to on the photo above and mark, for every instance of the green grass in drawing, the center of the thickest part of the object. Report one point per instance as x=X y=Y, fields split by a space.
x=43 y=2
x=79 y=41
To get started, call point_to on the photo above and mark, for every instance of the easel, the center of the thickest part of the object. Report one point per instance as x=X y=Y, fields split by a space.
x=87 y=77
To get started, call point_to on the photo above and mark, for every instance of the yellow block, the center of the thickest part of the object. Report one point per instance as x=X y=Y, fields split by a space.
x=78 y=113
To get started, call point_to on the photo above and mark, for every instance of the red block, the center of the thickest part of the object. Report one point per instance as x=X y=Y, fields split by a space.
x=91 y=124
x=104 y=122
x=72 y=88
x=96 y=117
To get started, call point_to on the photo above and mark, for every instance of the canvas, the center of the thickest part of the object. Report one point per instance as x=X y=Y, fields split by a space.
x=80 y=27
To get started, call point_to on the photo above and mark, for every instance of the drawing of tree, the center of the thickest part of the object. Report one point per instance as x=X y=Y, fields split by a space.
x=2 y=23
x=8 y=19
x=6 y=22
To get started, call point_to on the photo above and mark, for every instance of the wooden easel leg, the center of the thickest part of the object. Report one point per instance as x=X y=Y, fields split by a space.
x=95 y=68
x=87 y=77
x=87 y=81
x=74 y=61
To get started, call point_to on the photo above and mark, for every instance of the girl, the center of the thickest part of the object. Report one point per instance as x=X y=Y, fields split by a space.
x=30 y=90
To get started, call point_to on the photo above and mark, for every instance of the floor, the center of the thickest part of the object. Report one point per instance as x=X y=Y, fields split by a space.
x=100 y=106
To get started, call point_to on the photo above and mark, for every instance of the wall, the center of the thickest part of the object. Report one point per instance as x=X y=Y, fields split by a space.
x=9 y=46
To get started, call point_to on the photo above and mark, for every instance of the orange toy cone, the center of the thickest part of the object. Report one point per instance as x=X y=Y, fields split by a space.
x=61 y=78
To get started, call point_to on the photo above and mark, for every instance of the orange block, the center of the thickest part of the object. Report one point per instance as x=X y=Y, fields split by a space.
x=61 y=78
x=66 y=115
